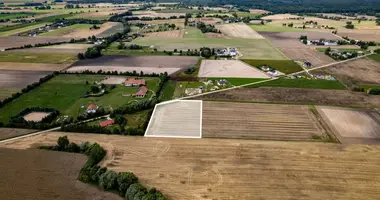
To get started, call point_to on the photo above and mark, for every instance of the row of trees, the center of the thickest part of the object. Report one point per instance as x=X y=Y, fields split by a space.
x=126 y=184
x=18 y=120
x=207 y=28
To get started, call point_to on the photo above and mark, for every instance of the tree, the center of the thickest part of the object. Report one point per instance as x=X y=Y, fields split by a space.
x=349 y=25
x=124 y=180
x=121 y=45
x=72 y=147
x=95 y=154
x=304 y=41
x=94 y=89
x=133 y=190
x=62 y=143
x=119 y=119
x=327 y=51
x=80 y=56
x=206 y=52
x=108 y=180
x=364 y=46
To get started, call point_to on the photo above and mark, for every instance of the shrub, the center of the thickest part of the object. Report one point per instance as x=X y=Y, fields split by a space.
x=108 y=180
x=124 y=180
x=374 y=91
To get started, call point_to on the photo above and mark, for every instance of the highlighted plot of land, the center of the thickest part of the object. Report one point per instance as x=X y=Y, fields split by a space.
x=177 y=119
x=229 y=68
x=239 y=31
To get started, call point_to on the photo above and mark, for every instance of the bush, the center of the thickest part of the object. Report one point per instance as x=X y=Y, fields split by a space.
x=62 y=143
x=374 y=91
x=108 y=180
x=124 y=180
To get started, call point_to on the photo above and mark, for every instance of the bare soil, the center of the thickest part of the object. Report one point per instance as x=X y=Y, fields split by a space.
x=258 y=11
x=260 y=121
x=352 y=125
x=239 y=30
x=280 y=16
x=229 y=68
x=6 y=133
x=45 y=175
x=365 y=35
x=31 y=66
x=167 y=34
x=297 y=96
x=214 y=35
x=224 y=169
x=353 y=73
x=21 y=78
x=16 y=41
x=35 y=116
x=316 y=58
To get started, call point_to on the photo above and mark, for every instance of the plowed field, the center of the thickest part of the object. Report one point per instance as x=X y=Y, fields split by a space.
x=221 y=169
x=259 y=121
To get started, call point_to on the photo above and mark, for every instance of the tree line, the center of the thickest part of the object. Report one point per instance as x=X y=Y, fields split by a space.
x=126 y=184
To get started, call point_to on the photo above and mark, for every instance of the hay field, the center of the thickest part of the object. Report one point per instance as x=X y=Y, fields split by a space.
x=229 y=69
x=31 y=66
x=15 y=41
x=79 y=30
x=189 y=169
x=259 y=121
x=6 y=133
x=239 y=31
x=353 y=123
x=361 y=71
x=45 y=175
x=166 y=34
x=178 y=119
x=251 y=49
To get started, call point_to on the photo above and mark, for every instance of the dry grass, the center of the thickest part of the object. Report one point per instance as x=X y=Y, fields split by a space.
x=167 y=34
x=260 y=121
x=32 y=66
x=239 y=31
x=223 y=169
x=16 y=41
x=280 y=17
x=84 y=33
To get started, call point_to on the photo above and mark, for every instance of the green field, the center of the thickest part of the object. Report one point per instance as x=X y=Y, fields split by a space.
x=366 y=87
x=301 y=83
x=375 y=57
x=66 y=30
x=64 y=92
x=250 y=48
x=7 y=92
x=146 y=51
x=271 y=28
x=246 y=14
x=284 y=66
x=168 y=91
x=27 y=57
x=238 y=81
x=13 y=30
x=138 y=119
x=192 y=32
x=16 y=15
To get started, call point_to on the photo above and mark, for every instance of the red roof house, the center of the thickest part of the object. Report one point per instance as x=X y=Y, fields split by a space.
x=106 y=123
x=131 y=82
x=142 y=92
x=91 y=108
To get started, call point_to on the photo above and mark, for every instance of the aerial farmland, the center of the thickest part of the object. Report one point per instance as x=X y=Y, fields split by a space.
x=207 y=101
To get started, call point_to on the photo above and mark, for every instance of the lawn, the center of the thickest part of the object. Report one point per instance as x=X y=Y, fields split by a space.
x=193 y=32
x=239 y=81
x=168 y=91
x=251 y=49
x=26 y=57
x=13 y=30
x=284 y=66
x=66 y=30
x=301 y=83
x=375 y=57
x=65 y=91
x=271 y=28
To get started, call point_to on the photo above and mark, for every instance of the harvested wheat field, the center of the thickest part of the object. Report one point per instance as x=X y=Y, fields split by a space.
x=6 y=133
x=258 y=11
x=36 y=116
x=297 y=96
x=229 y=68
x=214 y=35
x=316 y=58
x=147 y=64
x=16 y=41
x=45 y=175
x=280 y=17
x=31 y=66
x=239 y=31
x=84 y=33
x=356 y=72
x=353 y=125
x=206 y=169
x=364 y=35
x=259 y=121
x=167 y=34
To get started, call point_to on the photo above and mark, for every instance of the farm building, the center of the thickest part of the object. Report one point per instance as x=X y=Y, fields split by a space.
x=142 y=92
x=133 y=82
x=106 y=123
x=91 y=109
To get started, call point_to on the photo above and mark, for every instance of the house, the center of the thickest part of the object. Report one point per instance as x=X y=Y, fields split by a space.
x=265 y=68
x=307 y=64
x=106 y=123
x=133 y=82
x=142 y=92
x=91 y=109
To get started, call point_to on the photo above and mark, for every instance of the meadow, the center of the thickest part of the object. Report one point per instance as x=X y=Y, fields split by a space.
x=193 y=32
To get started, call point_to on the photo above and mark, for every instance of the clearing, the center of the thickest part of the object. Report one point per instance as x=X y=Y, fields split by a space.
x=177 y=119
x=54 y=176
x=353 y=125
x=297 y=96
x=239 y=30
x=229 y=68
x=32 y=66
x=147 y=64
x=222 y=169
x=259 y=121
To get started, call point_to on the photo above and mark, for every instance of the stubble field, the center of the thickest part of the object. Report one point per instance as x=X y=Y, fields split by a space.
x=229 y=68
x=260 y=121
x=239 y=31
x=166 y=34
x=223 y=169
x=31 y=66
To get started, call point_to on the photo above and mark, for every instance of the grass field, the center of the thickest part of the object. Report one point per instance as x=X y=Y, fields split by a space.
x=375 y=57
x=26 y=57
x=146 y=51
x=66 y=30
x=250 y=48
x=138 y=119
x=301 y=83
x=366 y=87
x=168 y=91
x=13 y=30
x=284 y=66
x=246 y=14
x=271 y=28
x=64 y=93
x=7 y=92
x=193 y=32
x=239 y=81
